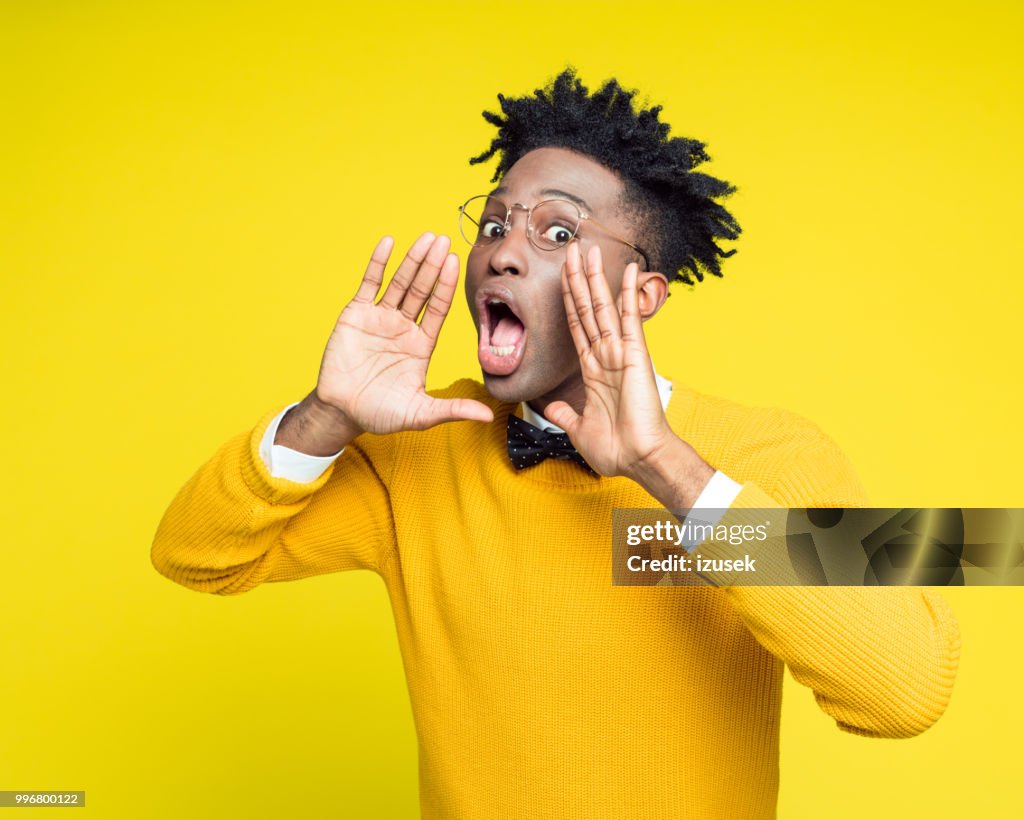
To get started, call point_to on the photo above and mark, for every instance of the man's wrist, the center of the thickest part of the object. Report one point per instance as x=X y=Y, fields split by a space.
x=315 y=428
x=673 y=473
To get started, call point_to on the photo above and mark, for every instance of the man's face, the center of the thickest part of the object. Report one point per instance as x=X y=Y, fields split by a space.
x=525 y=349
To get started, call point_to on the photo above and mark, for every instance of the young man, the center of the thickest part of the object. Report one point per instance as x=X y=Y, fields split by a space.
x=538 y=688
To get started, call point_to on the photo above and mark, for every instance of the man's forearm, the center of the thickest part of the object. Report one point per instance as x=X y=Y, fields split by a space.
x=315 y=428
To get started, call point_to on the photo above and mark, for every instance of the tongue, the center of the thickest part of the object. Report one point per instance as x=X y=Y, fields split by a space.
x=507 y=332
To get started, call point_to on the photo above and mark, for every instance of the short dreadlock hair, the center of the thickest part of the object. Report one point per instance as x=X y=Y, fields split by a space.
x=675 y=203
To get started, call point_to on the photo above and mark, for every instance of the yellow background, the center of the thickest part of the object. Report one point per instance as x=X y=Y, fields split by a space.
x=188 y=195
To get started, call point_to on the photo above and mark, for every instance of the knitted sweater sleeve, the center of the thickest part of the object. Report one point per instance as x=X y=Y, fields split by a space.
x=233 y=526
x=881 y=661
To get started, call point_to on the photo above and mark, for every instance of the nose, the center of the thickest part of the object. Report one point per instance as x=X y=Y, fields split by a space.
x=509 y=254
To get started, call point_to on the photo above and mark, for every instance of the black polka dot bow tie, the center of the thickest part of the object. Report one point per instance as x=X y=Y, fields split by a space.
x=529 y=445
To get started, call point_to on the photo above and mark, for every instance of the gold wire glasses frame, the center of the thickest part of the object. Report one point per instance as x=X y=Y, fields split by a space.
x=550 y=224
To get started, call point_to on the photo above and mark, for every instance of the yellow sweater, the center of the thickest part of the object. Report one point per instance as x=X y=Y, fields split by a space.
x=539 y=690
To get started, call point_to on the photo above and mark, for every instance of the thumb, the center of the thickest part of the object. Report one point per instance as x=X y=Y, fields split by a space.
x=439 y=411
x=560 y=413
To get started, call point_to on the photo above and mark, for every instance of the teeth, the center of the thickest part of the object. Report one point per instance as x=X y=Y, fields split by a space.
x=504 y=350
x=495 y=301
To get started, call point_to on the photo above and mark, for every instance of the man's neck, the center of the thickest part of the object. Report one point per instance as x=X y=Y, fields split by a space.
x=572 y=393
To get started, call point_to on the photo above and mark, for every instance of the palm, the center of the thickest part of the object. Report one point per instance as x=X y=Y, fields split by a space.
x=375 y=365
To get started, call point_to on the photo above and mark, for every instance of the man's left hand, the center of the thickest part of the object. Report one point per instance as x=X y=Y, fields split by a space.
x=623 y=423
x=622 y=430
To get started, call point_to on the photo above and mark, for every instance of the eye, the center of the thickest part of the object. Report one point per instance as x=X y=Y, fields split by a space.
x=491 y=228
x=557 y=234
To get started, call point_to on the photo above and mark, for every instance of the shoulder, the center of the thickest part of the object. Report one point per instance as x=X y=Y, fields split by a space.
x=787 y=454
x=718 y=420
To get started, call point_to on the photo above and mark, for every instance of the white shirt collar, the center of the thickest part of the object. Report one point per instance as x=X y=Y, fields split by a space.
x=537 y=420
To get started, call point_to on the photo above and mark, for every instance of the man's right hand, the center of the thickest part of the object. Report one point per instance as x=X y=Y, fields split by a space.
x=373 y=373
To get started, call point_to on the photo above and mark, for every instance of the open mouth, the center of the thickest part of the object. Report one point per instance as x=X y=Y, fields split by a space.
x=502 y=337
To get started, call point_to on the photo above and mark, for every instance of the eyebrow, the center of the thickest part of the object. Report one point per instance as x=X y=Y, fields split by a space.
x=501 y=189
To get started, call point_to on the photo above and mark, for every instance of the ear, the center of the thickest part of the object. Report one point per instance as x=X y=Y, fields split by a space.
x=652 y=290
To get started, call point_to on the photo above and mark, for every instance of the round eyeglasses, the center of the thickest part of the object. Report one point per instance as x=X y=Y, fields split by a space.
x=550 y=224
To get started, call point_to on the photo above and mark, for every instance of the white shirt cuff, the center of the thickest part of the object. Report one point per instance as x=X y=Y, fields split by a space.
x=718 y=494
x=284 y=462
x=712 y=503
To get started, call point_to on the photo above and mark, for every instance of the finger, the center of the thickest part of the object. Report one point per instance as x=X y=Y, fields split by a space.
x=601 y=298
x=426 y=277
x=579 y=335
x=374 y=274
x=406 y=271
x=439 y=411
x=632 y=324
x=562 y=414
x=441 y=299
x=581 y=293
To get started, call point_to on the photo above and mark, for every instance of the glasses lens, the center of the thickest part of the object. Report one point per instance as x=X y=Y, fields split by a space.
x=482 y=220
x=554 y=223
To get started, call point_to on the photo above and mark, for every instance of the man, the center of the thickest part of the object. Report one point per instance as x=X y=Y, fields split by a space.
x=539 y=690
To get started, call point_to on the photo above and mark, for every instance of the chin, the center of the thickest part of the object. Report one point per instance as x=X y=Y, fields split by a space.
x=526 y=384
x=506 y=388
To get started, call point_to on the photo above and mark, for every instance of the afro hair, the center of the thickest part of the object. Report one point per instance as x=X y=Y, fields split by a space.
x=675 y=203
